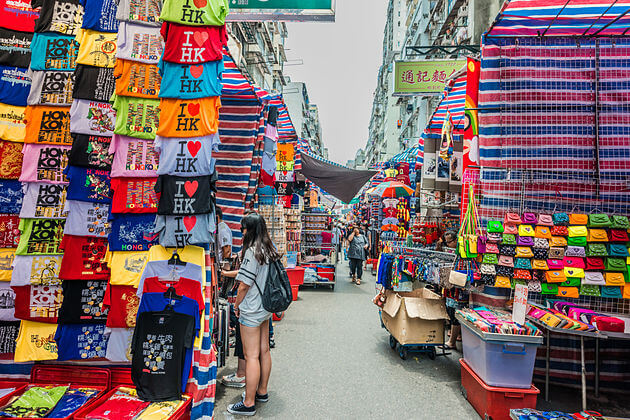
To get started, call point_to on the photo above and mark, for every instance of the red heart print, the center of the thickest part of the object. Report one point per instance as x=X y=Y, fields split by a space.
x=200 y=3
x=200 y=37
x=190 y=222
x=193 y=147
x=196 y=71
x=193 y=109
x=284 y=185
x=191 y=187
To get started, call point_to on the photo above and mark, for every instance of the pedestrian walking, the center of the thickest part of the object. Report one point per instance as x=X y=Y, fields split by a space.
x=357 y=250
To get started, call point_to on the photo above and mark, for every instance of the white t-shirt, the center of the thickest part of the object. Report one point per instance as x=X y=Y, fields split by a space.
x=139 y=43
x=87 y=219
x=119 y=344
x=7 y=302
x=142 y=12
x=92 y=118
x=43 y=201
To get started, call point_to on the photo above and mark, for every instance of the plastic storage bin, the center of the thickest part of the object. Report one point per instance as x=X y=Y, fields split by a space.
x=502 y=360
x=120 y=376
x=296 y=276
x=493 y=403
x=295 y=290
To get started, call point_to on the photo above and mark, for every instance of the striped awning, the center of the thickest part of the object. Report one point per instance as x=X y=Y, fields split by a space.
x=451 y=105
x=533 y=18
x=409 y=156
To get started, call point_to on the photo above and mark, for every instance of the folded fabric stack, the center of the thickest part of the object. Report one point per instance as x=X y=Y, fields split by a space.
x=495 y=321
x=48 y=401
x=569 y=316
x=531 y=414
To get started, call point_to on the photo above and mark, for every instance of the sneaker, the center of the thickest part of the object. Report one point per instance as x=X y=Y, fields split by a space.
x=259 y=398
x=240 y=409
x=272 y=343
x=233 y=381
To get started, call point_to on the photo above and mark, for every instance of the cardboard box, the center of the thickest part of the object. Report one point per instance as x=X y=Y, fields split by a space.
x=415 y=317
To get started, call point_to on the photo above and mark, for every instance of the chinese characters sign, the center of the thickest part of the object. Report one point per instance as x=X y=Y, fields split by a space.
x=428 y=76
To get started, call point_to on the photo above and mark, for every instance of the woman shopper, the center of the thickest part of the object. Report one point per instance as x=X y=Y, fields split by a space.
x=357 y=248
x=258 y=251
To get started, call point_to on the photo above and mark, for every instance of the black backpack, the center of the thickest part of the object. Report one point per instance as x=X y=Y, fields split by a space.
x=277 y=295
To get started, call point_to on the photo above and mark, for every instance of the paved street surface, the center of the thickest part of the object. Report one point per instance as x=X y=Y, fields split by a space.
x=332 y=360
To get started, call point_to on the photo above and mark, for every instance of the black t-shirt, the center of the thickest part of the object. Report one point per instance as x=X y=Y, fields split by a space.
x=184 y=195
x=8 y=335
x=61 y=16
x=159 y=345
x=272 y=116
x=83 y=302
x=284 y=188
x=15 y=48
x=90 y=152
x=93 y=83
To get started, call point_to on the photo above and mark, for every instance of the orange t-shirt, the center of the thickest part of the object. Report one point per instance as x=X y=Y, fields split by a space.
x=189 y=117
x=48 y=125
x=137 y=79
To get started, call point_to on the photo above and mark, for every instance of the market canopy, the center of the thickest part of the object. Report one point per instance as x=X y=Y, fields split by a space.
x=452 y=106
x=409 y=156
x=338 y=181
x=531 y=18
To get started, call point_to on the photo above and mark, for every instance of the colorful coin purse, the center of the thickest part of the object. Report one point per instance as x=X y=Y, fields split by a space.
x=577 y=231
x=573 y=272
x=619 y=235
x=510 y=228
x=502 y=281
x=509 y=239
x=620 y=222
x=512 y=218
x=555 y=276
x=490 y=259
x=556 y=252
x=558 y=241
x=578 y=219
x=524 y=252
x=560 y=219
x=525 y=241
x=575 y=251
x=543 y=232
x=597 y=235
x=529 y=219
x=614 y=279
x=575 y=262
x=577 y=241
x=523 y=263
x=545 y=220
x=618 y=250
x=560 y=231
x=599 y=220
x=594 y=278
x=616 y=264
x=495 y=226
x=506 y=261
x=526 y=230
x=594 y=263
x=555 y=264
x=540 y=265
x=596 y=250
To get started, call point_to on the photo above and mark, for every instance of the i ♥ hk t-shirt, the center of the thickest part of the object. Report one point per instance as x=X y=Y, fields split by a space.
x=133 y=157
x=190 y=81
x=189 y=118
x=184 y=195
x=134 y=195
x=187 y=157
x=179 y=231
x=195 y=12
x=193 y=44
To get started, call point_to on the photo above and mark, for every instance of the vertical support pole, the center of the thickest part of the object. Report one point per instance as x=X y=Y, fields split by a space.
x=583 y=365
x=597 y=367
x=547 y=356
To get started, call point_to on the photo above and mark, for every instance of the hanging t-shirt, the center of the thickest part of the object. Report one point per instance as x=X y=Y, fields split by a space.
x=183 y=287
x=184 y=196
x=44 y=163
x=8 y=336
x=139 y=43
x=134 y=195
x=190 y=81
x=190 y=12
x=144 y=12
x=51 y=51
x=126 y=267
x=137 y=117
x=137 y=79
x=100 y=15
x=40 y=236
x=284 y=188
x=90 y=152
x=80 y=342
x=96 y=48
x=12 y=123
x=162 y=269
x=15 y=47
x=87 y=219
x=93 y=83
x=189 y=118
x=18 y=15
x=88 y=185
x=133 y=157
x=119 y=344
x=83 y=302
x=122 y=405
x=36 y=270
x=36 y=341
x=266 y=195
x=61 y=16
x=48 y=125
x=92 y=118
x=179 y=231
x=51 y=88
x=193 y=45
x=132 y=232
x=122 y=303
x=7 y=256
x=9 y=230
x=37 y=303
x=83 y=258
x=187 y=157
x=43 y=201
x=15 y=84
x=11 y=196
x=10 y=159
x=7 y=302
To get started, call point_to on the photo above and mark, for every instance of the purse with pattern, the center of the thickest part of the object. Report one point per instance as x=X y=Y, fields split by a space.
x=620 y=222
x=523 y=263
x=540 y=253
x=526 y=230
x=599 y=220
x=575 y=251
x=509 y=250
x=509 y=239
x=590 y=290
x=560 y=219
x=534 y=286
x=596 y=250
x=541 y=243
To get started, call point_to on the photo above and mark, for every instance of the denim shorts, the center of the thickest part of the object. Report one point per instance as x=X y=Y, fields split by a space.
x=251 y=323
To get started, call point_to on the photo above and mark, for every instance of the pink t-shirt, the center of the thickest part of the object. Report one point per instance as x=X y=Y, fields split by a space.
x=133 y=157
x=44 y=163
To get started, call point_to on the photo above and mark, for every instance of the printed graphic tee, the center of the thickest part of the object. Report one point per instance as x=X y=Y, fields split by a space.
x=122 y=303
x=43 y=200
x=36 y=341
x=12 y=123
x=61 y=16
x=51 y=51
x=83 y=302
x=92 y=118
x=40 y=236
x=137 y=117
x=88 y=185
x=132 y=232
x=193 y=44
x=9 y=230
x=96 y=48
x=80 y=342
x=15 y=47
x=18 y=15
x=162 y=269
x=7 y=256
x=83 y=258
x=44 y=163
x=36 y=270
x=184 y=196
x=126 y=266
x=48 y=125
x=119 y=344
x=139 y=43
x=93 y=83
x=10 y=159
x=11 y=196
x=133 y=157
x=143 y=12
x=189 y=118
x=134 y=195
x=179 y=231
x=15 y=84
x=87 y=219
x=194 y=13
x=191 y=81
x=7 y=302
x=183 y=287
x=90 y=152
x=37 y=303
x=100 y=15
x=136 y=79
x=8 y=336
x=187 y=157
x=52 y=87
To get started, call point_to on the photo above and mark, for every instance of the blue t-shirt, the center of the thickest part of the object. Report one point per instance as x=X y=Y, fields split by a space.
x=132 y=232
x=156 y=302
x=188 y=81
x=100 y=15
x=80 y=342
x=266 y=195
x=51 y=51
x=11 y=196
x=87 y=184
x=15 y=85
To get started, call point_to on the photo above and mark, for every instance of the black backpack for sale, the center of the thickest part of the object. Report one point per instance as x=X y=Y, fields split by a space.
x=277 y=295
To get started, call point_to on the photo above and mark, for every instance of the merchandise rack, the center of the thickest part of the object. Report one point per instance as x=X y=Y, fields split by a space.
x=313 y=225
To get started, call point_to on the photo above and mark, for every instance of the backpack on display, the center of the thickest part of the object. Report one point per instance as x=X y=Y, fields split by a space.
x=277 y=295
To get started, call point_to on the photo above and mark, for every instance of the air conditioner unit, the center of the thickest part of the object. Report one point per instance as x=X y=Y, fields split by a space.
x=463 y=11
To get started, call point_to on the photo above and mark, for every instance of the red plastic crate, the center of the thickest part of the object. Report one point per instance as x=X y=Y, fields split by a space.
x=120 y=376
x=328 y=275
x=296 y=276
x=20 y=387
x=182 y=413
x=493 y=403
x=295 y=290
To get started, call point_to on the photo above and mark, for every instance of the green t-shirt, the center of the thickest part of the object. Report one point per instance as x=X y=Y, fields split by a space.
x=36 y=402
x=136 y=117
x=40 y=236
x=195 y=12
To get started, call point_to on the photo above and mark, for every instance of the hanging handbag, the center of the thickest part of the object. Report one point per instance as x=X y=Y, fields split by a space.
x=575 y=262
x=554 y=264
x=525 y=241
x=620 y=222
x=529 y=218
x=618 y=250
x=495 y=226
x=492 y=248
x=539 y=265
x=597 y=235
x=626 y=291
x=503 y=282
x=524 y=252
x=490 y=259
x=595 y=263
x=540 y=253
x=494 y=237
x=568 y=292
x=558 y=241
x=556 y=252
x=522 y=274
x=487 y=279
x=614 y=279
x=599 y=220
x=541 y=243
x=457 y=278
x=505 y=271
x=577 y=231
x=575 y=251
x=509 y=250
x=534 y=286
x=578 y=219
x=482 y=242
x=526 y=230
x=510 y=228
x=506 y=261
x=619 y=235
x=549 y=289
x=560 y=219
x=594 y=278
x=509 y=239
x=590 y=290
x=571 y=282
x=596 y=250
x=560 y=231
x=543 y=232
x=471 y=245
x=573 y=272
x=555 y=276
x=616 y=264
x=488 y=269
x=577 y=241
x=523 y=263
x=611 y=292
x=545 y=220
x=512 y=218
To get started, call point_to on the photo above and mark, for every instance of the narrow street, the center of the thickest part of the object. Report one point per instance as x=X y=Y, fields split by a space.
x=332 y=360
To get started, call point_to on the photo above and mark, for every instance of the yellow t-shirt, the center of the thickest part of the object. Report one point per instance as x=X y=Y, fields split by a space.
x=12 y=123
x=189 y=117
x=36 y=341
x=161 y=410
x=126 y=266
x=6 y=260
x=96 y=48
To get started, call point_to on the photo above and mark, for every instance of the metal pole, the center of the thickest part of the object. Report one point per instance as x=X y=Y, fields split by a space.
x=583 y=373
x=597 y=367
x=548 y=355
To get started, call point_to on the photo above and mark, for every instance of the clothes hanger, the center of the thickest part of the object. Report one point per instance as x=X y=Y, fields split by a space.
x=176 y=260
x=171 y=296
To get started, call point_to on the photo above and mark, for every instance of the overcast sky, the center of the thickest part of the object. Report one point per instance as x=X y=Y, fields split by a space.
x=341 y=62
